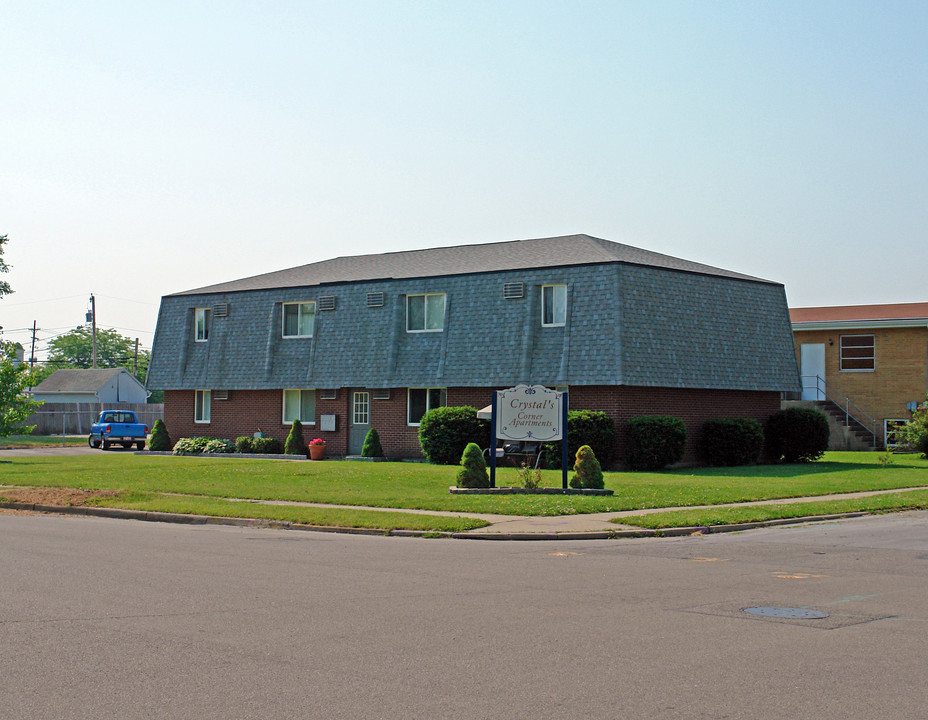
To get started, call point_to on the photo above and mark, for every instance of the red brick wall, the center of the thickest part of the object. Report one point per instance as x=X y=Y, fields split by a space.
x=248 y=410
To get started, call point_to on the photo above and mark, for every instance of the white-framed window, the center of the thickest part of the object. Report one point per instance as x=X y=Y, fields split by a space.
x=299 y=405
x=299 y=319
x=361 y=408
x=857 y=353
x=553 y=305
x=425 y=312
x=202 y=316
x=201 y=406
x=420 y=400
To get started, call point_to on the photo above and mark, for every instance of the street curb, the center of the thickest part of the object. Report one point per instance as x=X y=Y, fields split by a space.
x=181 y=519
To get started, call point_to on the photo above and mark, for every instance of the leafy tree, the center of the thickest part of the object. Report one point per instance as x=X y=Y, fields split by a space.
x=15 y=406
x=74 y=349
x=5 y=288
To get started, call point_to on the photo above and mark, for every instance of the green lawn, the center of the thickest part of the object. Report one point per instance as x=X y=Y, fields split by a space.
x=422 y=486
x=33 y=441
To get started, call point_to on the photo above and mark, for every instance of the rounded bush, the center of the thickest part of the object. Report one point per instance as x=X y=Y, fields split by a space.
x=797 y=435
x=587 y=471
x=655 y=441
x=732 y=441
x=160 y=440
x=295 y=444
x=473 y=472
x=584 y=427
x=444 y=433
x=372 y=446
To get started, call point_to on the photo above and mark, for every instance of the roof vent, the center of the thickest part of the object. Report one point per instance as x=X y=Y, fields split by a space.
x=327 y=302
x=220 y=394
x=221 y=310
x=383 y=394
x=513 y=290
x=328 y=394
x=375 y=299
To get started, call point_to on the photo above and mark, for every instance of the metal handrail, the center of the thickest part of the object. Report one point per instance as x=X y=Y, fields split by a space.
x=843 y=402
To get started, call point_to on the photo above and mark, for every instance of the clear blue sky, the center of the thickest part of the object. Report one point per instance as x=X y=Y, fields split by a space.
x=150 y=148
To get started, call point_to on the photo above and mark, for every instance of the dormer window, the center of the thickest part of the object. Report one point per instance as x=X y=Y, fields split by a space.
x=202 y=316
x=299 y=319
x=425 y=313
x=553 y=305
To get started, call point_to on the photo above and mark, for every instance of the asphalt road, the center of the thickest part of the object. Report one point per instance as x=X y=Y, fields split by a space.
x=119 y=619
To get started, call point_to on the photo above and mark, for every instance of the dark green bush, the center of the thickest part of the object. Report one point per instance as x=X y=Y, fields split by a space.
x=797 y=435
x=587 y=471
x=372 y=446
x=160 y=440
x=258 y=446
x=295 y=444
x=732 y=441
x=473 y=472
x=444 y=433
x=584 y=427
x=655 y=441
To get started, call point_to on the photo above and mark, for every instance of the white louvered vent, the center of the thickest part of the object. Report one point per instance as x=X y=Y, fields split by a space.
x=327 y=302
x=375 y=299
x=221 y=310
x=328 y=394
x=220 y=394
x=383 y=394
x=513 y=290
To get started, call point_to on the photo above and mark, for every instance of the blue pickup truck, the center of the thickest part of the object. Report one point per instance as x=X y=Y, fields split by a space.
x=117 y=426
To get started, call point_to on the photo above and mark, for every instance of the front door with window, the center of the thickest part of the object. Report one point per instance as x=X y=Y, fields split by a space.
x=359 y=416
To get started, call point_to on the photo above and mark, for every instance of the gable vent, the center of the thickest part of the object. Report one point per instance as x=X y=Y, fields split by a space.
x=220 y=394
x=327 y=302
x=221 y=310
x=375 y=299
x=383 y=394
x=328 y=394
x=513 y=290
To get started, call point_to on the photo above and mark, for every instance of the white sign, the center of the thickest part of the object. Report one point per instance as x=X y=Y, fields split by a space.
x=529 y=413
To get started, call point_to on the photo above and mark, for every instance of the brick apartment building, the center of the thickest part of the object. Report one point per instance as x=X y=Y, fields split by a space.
x=870 y=359
x=377 y=340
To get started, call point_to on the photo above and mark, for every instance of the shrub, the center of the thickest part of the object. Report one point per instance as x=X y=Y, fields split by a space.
x=584 y=427
x=915 y=433
x=445 y=432
x=160 y=440
x=371 y=446
x=243 y=445
x=529 y=477
x=200 y=445
x=473 y=472
x=295 y=444
x=732 y=441
x=655 y=441
x=258 y=446
x=587 y=471
x=797 y=435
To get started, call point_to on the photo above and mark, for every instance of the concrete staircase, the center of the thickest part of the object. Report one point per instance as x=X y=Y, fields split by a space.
x=846 y=433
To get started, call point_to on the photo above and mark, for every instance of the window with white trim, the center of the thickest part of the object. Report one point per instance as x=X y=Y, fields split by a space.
x=361 y=408
x=299 y=319
x=420 y=400
x=553 y=305
x=425 y=312
x=201 y=406
x=202 y=316
x=857 y=353
x=299 y=405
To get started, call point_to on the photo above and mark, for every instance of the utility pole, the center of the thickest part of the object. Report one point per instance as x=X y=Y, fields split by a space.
x=135 y=360
x=32 y=354
x=93 y=320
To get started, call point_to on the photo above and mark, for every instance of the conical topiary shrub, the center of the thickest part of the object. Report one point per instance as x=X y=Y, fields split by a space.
x=587 y=472
x=295 y=444
x=372 y=445
x=160 y=440
x=473 y=472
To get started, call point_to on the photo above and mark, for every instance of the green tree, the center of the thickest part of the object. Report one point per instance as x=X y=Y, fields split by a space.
x=295 y=444
x=5 y=288
x=473 y=472
x=372 y=447
x=74 y=349
x=15 y=406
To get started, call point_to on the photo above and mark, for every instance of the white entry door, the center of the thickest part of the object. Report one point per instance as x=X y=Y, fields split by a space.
x=812 y=369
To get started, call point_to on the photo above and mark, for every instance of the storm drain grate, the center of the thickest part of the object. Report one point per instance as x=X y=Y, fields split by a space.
x=792 y=613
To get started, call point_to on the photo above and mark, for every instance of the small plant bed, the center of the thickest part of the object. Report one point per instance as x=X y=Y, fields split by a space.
x=528 y=491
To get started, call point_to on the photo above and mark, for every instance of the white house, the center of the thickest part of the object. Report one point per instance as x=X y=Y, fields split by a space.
x=112 y=385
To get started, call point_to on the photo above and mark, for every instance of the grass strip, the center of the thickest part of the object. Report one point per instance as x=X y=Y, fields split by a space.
x=22 y=442
x=333 y=517
x=888 y=502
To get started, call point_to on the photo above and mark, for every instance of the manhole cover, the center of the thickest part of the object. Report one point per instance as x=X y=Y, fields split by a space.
x=786 y=612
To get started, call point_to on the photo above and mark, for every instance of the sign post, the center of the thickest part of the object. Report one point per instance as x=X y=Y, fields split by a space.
x=529 y=413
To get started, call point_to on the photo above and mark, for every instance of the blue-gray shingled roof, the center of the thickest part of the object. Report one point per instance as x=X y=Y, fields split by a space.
x=565 y=250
